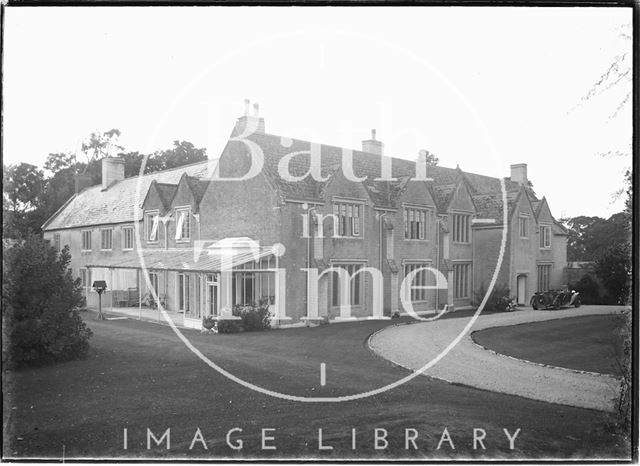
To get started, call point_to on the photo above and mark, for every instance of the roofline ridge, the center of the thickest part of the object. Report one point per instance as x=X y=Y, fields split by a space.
x=331 y=146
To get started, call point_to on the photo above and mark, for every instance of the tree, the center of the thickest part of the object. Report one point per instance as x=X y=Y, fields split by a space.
x=29 y=199
x=40 y=301
x=132 y=163
x=182 y=153
x=22 y=184
x=59 y=161
x=589 y=237
x=427 y=157
x=101 y=145
x=613 y=268
x=22 y=193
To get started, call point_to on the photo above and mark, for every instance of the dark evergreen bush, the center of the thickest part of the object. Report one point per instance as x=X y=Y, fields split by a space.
x=589 y=290
x=499 y=300
x=41 y=303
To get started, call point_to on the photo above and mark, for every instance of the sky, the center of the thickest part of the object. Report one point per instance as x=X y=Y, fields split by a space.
x=481 y=88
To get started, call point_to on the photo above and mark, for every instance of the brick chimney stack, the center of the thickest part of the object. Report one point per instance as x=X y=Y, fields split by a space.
x=373 y=146
x=519 y=173
x=112 y=171
x=254 y=122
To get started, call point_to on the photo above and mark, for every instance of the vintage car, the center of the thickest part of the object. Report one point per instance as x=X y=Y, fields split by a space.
x=555 y=299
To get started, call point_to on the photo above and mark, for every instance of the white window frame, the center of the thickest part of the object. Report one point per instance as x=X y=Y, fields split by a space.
x=525 y=218
x=409 y=213
x=183 y=214
x=89 y=234
x=124 y=238
x=102 y=231
x=155 y=216
x=545 y=236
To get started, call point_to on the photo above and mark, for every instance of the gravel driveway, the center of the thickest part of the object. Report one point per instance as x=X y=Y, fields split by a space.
x=413 y=346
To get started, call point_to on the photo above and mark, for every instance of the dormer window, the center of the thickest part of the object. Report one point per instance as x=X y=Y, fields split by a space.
x=416 y=223
x=151 y=220
x=349 y=217
x=183 y=224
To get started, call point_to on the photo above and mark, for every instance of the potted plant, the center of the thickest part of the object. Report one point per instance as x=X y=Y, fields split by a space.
x=210 y=324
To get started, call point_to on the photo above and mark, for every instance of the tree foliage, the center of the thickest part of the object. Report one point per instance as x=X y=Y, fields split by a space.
x=41 y=302
x=30 y=198
x=589 y=237
x=182 y=153
x=614 y=270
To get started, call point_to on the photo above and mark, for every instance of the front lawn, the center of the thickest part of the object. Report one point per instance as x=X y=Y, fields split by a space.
x=139 y=376
x=584 y=343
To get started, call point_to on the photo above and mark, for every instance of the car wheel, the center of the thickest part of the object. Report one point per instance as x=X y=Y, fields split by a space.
x=556 y=305
x=537 y=302
x=577 y=303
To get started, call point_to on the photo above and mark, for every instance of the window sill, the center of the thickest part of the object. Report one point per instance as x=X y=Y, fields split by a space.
x=412 y=240
x=127 y=249
x=183 y=241
x=106 y=250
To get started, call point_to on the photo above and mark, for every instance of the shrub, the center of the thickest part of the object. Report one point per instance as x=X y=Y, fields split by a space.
x=622 y=352
x=254 y=317
x=41 y=302
x=499 y=301
x=614 y=269
x=229 y=326
x=208 y=322
x=589 y=290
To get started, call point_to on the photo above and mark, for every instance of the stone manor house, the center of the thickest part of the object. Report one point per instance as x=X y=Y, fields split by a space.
x=200 y=244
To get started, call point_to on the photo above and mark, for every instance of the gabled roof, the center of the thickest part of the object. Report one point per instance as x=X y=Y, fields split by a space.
x=118 y=203
x=382 y=193
x=121 y=202
x=386 y=194
x=166 y=192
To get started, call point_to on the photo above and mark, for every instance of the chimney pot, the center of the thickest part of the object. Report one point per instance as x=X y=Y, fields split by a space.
x=373 y=134
x=254 y=122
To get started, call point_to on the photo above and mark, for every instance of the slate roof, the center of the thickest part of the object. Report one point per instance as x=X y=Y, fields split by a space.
x=383 y=193
x=119 y=203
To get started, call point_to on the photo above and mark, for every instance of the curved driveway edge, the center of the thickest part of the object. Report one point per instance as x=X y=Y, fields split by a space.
x=412 y=346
